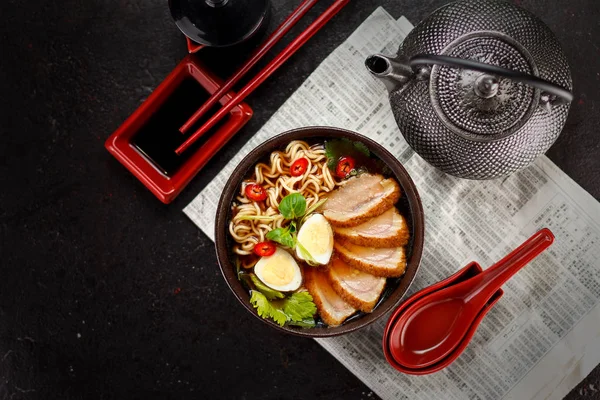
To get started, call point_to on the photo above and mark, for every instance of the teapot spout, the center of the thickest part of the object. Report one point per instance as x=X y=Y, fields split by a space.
x=391 y=71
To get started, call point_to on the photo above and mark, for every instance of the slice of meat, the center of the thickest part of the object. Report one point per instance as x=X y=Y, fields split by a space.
x=361 y=198
x=386 y=230
x=332 y=308
x=360 y=289
x=379 y=261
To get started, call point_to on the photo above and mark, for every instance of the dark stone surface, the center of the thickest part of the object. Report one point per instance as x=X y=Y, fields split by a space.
x=105 y=292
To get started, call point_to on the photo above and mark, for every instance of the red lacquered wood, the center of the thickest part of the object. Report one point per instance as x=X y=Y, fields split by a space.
x=164 y=187
x=193 y=47
x=435 y=325
x=281 y=31
x=266 y=72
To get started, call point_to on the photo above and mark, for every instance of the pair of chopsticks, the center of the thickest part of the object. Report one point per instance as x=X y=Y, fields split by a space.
x=282 y=57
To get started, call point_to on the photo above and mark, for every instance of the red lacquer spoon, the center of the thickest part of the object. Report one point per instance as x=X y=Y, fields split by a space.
x=432 y=327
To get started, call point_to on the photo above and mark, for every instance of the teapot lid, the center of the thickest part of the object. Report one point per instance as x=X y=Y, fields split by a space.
x=479 y=106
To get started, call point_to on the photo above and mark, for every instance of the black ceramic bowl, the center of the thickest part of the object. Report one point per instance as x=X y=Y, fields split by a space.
x=409 y=205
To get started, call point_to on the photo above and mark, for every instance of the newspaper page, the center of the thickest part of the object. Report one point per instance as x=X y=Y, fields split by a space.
x=543 y=336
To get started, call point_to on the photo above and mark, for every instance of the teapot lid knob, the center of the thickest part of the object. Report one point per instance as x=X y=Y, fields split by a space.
x=486 y=86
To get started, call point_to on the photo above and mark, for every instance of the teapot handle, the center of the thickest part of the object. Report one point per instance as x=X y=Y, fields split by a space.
x=457 y=62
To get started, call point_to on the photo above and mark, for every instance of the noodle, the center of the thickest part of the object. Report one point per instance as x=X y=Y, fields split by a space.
x=276 y=179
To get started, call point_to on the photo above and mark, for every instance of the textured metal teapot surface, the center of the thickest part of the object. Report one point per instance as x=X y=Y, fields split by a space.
x=470 y=123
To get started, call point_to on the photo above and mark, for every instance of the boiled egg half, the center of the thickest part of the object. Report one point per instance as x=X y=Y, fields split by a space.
x=316 y=236
x=279 y=271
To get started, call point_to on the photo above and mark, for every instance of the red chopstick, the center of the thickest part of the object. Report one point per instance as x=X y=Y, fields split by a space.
x=281 y=31
x=265 y=72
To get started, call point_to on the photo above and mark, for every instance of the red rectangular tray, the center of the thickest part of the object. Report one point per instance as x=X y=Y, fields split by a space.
x=165 y=187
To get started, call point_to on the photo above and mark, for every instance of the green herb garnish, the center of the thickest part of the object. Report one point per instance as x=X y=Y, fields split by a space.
x=293 y=206
x=360 y=146
x=292 y=227
x=282 y=236
x=266 y=310
x=299 y=306
x=338 y=148
x=297 y=309
x=238 y=267
x=306 y=255
x=312 y=208
x=244 y=277
x=305 y=323
x=332 y=154
x=288 y=237
x=269 y=293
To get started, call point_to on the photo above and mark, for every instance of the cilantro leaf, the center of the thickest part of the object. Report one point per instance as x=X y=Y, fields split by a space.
x=282 y=236
x=265 y=309
x=260 y=302
x=292 y=206
x=279 y=316
x=269 y=293
x=299 y=306
x=298 y=309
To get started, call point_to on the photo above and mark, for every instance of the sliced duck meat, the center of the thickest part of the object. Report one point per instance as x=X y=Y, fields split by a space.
x=332 y=308
x=386 y=230
x=361 y=198
x=359 y=289
x=379 y=261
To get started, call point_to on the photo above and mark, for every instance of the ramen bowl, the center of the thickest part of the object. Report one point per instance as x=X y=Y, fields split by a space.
x=409 y=206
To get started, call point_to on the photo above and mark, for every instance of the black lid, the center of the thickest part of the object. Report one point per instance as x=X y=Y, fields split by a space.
x=219 y=23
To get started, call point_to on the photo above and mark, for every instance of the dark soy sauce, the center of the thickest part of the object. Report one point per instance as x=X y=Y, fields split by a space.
x=158 y=138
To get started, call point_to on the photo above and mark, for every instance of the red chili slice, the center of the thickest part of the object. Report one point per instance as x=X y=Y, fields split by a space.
x=344 y=167
x=264 y=249
x=299 y=167
x=255 y=192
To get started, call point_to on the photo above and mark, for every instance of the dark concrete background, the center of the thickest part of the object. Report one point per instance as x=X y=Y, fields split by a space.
x=107 y=293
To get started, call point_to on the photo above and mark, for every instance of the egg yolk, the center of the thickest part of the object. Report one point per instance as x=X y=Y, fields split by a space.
x=278 y=271
x=320 y=238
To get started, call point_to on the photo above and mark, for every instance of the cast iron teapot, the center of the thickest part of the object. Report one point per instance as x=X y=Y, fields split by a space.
x=479 y=89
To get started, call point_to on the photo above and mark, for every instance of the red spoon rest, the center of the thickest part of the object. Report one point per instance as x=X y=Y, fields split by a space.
x=391 y=340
